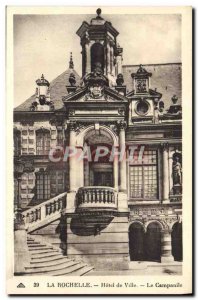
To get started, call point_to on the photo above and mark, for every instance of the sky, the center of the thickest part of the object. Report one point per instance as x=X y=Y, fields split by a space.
x=42 y=44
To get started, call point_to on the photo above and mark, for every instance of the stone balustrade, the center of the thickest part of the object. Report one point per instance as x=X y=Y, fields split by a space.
x=45 y=210
x=96 y=196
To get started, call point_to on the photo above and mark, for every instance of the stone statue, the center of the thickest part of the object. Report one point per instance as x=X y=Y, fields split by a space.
x=176 y=171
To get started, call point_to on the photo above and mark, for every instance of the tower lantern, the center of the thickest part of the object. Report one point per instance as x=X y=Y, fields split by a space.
x=99 y=47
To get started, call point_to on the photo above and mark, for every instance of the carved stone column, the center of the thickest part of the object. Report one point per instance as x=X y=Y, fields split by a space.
x=111 y=58
x=108 y=58
x=88 y=57
x=21 y=252
x=166 y=247
x=165 y=173
x=72 y=159
x=115 y=172
x=123 y=179
x=80 y=166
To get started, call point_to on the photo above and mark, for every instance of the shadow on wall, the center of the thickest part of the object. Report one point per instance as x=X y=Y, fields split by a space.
x=61 y=229
x=89 y=225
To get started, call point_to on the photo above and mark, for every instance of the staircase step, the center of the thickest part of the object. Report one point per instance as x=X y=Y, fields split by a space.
x=32 y=243
x=40 y=248
x=49 y=263
x=69 y=270
x=36 y=245
x=46 y=255
x=68 y=266
x=43 y=251
x=52 y=257
x=82 y=271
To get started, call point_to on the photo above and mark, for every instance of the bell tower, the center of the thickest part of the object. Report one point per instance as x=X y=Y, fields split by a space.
x=100 y=48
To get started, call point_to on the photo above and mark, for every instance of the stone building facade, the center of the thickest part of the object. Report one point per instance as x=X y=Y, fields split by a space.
x=117 y=208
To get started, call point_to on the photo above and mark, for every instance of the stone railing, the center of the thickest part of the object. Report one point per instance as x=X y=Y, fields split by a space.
x=96 y=196
x=45 y=211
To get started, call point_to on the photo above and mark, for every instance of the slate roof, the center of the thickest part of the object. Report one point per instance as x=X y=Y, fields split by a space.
x=165 y=77
x=57 y=91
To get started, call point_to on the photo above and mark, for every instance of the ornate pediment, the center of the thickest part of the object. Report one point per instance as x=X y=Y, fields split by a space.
x=151 y=93
x=95 y=87
x=95 y=93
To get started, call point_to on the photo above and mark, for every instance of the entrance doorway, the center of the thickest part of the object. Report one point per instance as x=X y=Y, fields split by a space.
x=136 y=242
x=103 y=179
x=101 y=174
x=153 y=242
x=176 y=236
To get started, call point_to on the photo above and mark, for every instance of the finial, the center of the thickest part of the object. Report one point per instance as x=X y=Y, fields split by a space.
x=161 y=106
x=120 y=80
x=42 y=77
x=174 y=99
x=72 y=79
x=99 y=11
x=71 y=64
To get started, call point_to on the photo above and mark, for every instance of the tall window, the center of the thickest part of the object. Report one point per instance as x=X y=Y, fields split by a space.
x=43 y=142
x=60 y=138
x=143 y=176
x=42 y=185
x=57 y=182
x=97 y=56
x=17 y=142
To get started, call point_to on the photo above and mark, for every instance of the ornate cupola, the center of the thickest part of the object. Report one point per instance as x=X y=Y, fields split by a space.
x=100 y=48
x=141 y=80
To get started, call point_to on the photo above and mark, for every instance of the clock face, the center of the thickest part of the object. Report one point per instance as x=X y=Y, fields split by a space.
x=141 y=86
x=142 y=108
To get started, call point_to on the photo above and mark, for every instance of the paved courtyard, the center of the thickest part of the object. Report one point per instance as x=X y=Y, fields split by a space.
x=144 y=268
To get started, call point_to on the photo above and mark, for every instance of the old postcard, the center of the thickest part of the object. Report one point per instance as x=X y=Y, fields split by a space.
x=99 y=168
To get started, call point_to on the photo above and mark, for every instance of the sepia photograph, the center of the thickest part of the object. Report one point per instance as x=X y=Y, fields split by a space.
x=98 y=146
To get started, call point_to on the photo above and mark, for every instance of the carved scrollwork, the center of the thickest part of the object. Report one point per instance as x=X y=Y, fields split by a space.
x=122 y=124
x=72 y=125
x=121 y=111
x=72 y=112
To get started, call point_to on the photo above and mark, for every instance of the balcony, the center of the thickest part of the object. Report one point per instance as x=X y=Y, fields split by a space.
x=97 y=198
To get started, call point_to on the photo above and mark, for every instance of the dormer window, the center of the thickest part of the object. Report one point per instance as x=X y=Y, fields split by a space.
x=141 y=80
x=141 y=86
x=42 y=101
x=142 y=107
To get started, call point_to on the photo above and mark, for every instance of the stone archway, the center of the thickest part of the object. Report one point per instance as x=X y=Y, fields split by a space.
x=136 y=242
x=153 y=242
x=103 y=172
x=176 y=241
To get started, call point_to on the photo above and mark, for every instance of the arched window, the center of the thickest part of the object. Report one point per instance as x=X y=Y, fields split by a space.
x=42 y=142
x=97 y=56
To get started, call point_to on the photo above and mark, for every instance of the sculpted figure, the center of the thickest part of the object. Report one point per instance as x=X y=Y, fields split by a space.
x=177 y=171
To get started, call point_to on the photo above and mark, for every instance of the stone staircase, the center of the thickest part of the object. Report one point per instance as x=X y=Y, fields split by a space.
x=45 y=259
